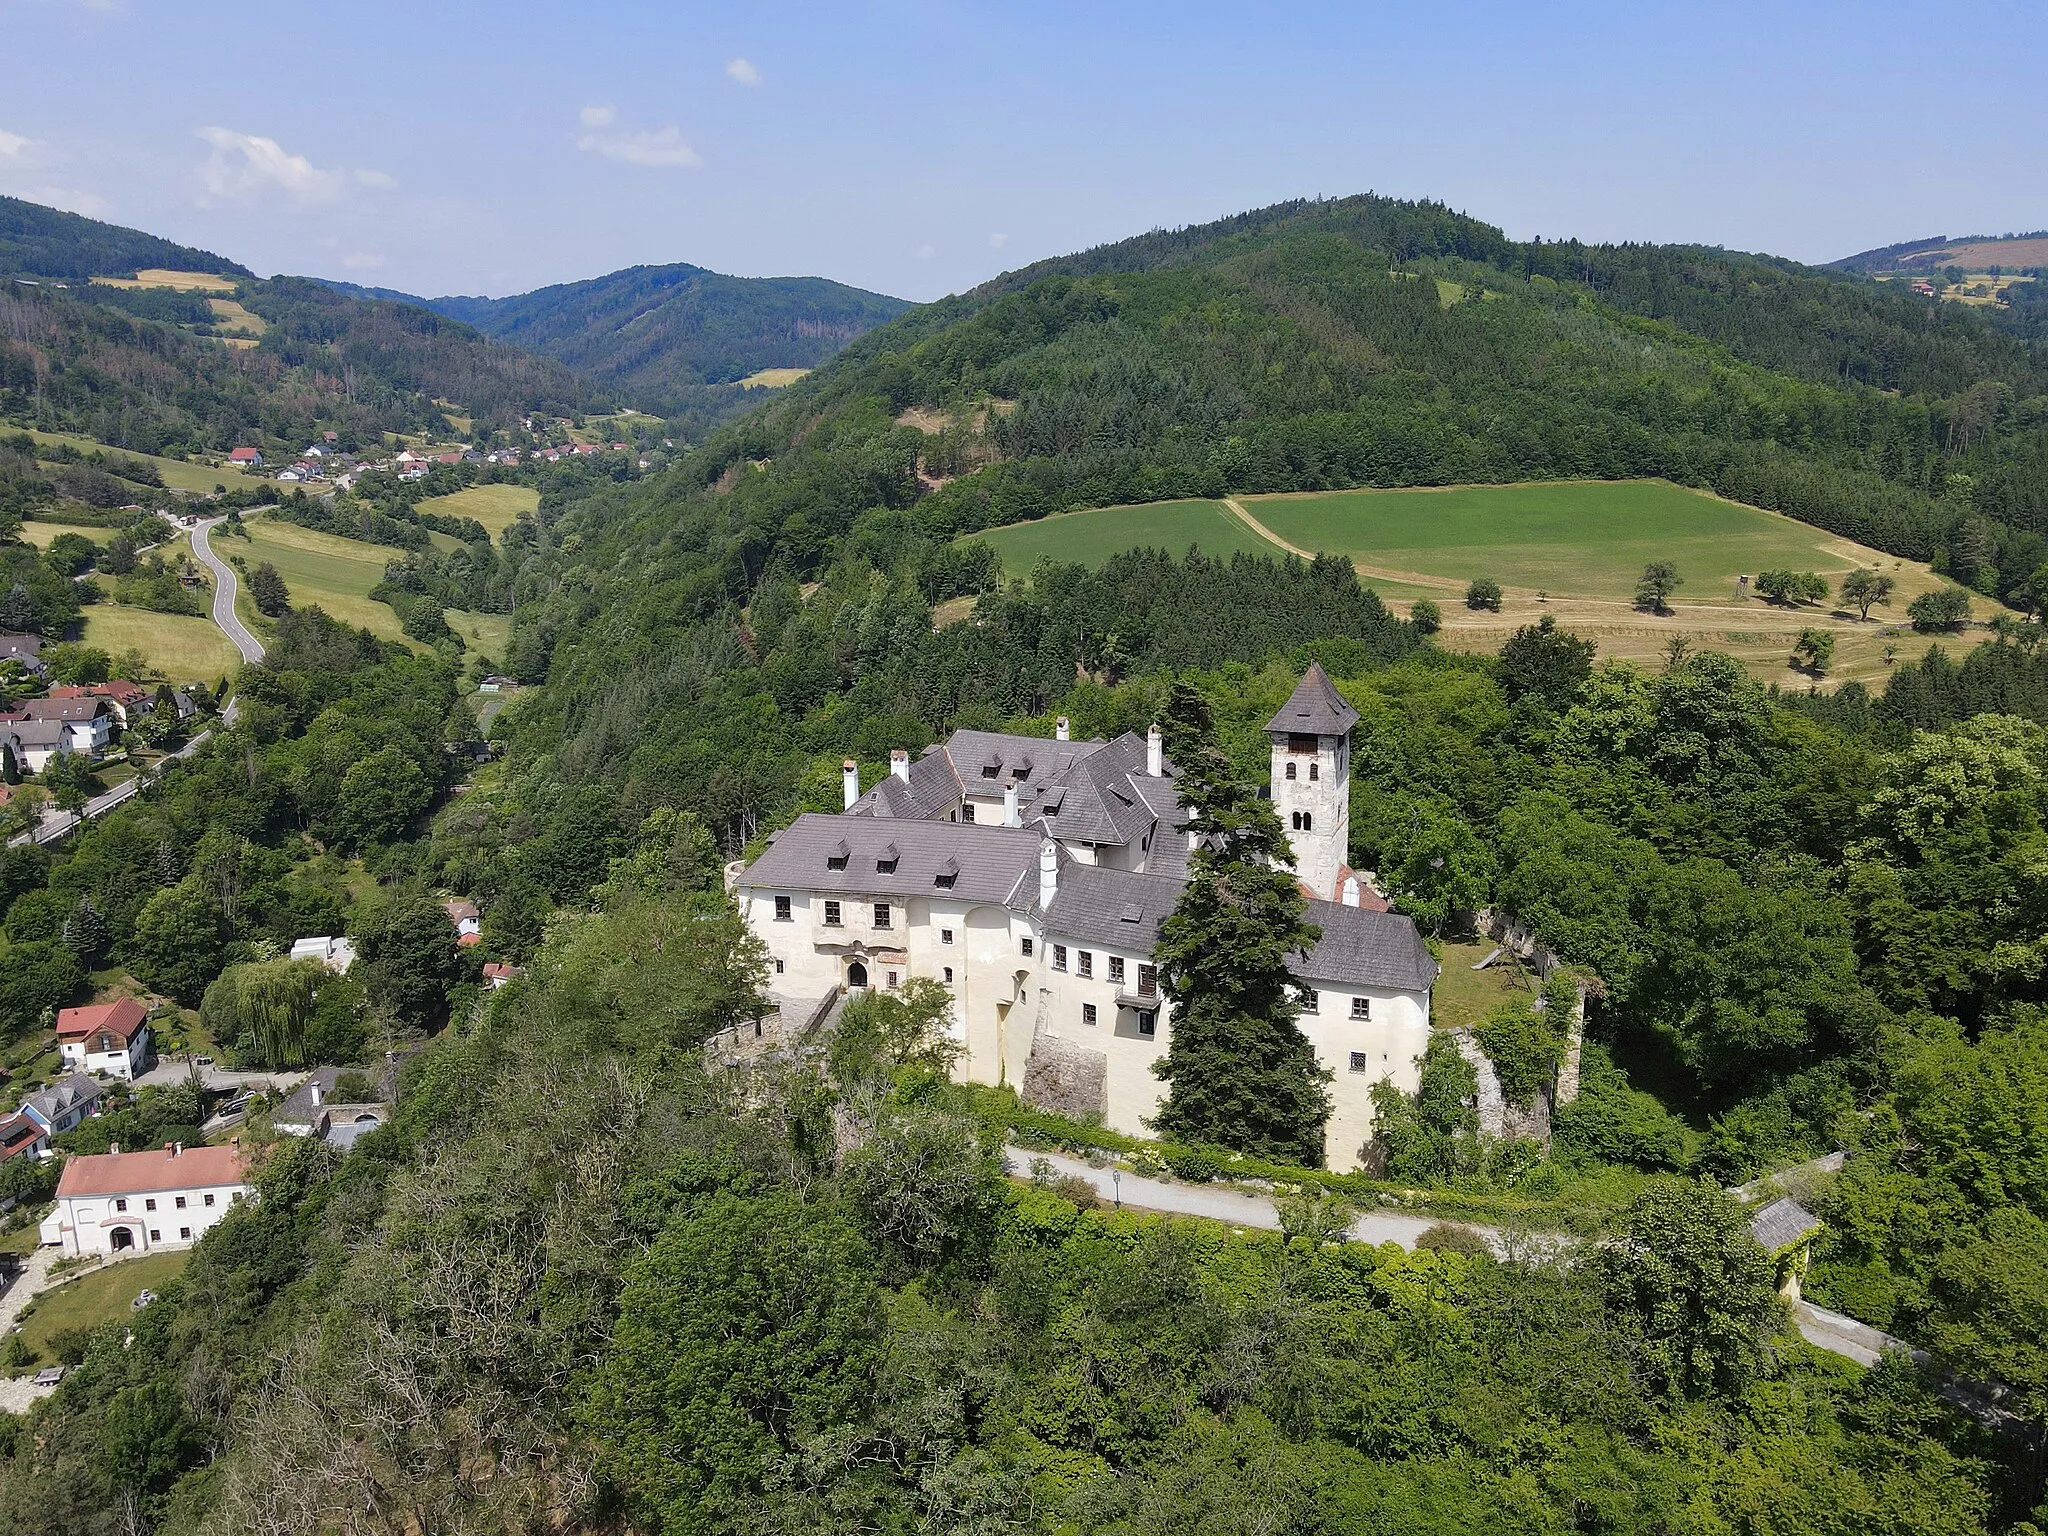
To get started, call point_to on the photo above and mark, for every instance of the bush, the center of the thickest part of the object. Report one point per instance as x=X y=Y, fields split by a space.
x=1483 y=593
x=1191 y=1163
x=1450 y=1237
x=1426 y=616
x=1938 y=612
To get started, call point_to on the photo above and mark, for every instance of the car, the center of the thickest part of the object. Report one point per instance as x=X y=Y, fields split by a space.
x=202 y=1061
x=49 y=1376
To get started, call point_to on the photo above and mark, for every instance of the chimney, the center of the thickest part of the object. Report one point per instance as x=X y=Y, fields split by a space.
x=1155 y=752
x=1062 y=729
x=319 y=1094
x=1011 y=818
x=1048 y=873
x=849 y=779
x=1350 y=896
x=177 y=1147
x=899 y=764
x=115 y=1149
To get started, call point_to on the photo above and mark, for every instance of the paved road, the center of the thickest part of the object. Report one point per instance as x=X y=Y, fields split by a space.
x=57 y=825
x=224 y=593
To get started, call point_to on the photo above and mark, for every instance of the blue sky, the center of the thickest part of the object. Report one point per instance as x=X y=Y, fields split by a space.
x=918 y=147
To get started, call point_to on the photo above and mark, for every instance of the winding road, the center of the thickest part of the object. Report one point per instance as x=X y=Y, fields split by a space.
x=224 y=593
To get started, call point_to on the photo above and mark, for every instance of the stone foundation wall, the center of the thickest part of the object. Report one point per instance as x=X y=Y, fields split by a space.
x=1066 y=1079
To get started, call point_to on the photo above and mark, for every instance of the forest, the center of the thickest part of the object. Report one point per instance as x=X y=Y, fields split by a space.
x=592 y=1279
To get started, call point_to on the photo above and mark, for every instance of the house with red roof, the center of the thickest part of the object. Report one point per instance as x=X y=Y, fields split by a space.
x=245 y=456
x=110 y=1038
x=22 y=1136
x=139 y=1202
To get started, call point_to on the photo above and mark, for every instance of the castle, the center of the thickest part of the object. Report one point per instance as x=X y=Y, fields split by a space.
x=1029 y=877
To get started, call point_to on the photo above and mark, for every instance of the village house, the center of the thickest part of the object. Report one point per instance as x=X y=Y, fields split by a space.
x=28 y=746
x=334 y=953
x=1030 y=878
x=313 y=1109
x=245 y=456
x=25 y=651
x=128 y=701
x=52 y=727
x=500 y=973
x=23 y=1136
x=122 y=1202
x=112 y=1039
x=466 y=919
x=65 y=1104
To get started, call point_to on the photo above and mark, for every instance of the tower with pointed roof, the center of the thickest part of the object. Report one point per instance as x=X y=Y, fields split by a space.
x=1312 y=779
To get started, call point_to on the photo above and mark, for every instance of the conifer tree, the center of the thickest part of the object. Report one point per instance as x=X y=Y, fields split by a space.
x=1242 y=1074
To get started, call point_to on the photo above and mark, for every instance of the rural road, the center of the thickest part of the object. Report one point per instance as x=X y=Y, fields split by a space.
x=224 y=593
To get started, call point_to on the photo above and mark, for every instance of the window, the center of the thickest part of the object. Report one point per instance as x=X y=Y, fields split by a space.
x=1024 y=947
x=836 y=860
x=1311 y=1000
x=1360 y=1061
x=1361 y=1007
x=1088 y=1014
x=886 y=864
x=1148 y=980
x=1290 y=770
x=1116 y=968
x=949 y=975
x=1059 y=957
x=1315 y=772
x=209 y=1199
x=831 y=914
x=1304 y=821
x=1085 y=963
x=967 y=811
x=185 y=1233
x=1148 y=1023
x=881 y=914
x=782 y=913
x=120 y=1205
x=155 y=1236
x=892 y=981
x=944 y=879
x=945 y=935
x=778 y=971
x=149 y=1205
x=181 y=1202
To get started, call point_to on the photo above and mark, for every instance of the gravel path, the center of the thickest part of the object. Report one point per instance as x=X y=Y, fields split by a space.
x=19 y=1393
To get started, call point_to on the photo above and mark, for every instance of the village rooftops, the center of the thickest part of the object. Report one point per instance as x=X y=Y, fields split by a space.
x=21 y=647
x=120 y=1018
x=74 y=1094
x=1105 y=798
x=142 y=1173
x=858 y=855
x=123 y=693
x=57 y=707
x=1315 y=708
x=19 y=1134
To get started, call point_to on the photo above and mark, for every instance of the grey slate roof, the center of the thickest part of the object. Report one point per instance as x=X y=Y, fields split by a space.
x=65 y=709
x=1366 y=949
x=24 y=648
x=993 y=862
x=1315 y=708
x=1028 y=759
x=63 y=1097
x=35 y=733
x=1782 y=1224
x=1111 y=907
x=930 y=790
x=1105 y=797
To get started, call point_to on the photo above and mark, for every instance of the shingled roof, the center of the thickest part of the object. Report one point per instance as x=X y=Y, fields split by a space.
x=1782 y=1224
x=1315 y=708
x=1111 y=907
x=1105 y=797
x=840 y=854
x=1363 y=948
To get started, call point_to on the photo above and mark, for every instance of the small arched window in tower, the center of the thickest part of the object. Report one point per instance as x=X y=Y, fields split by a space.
x=1290 y=770
x=1315 y=772
x=1303 y=821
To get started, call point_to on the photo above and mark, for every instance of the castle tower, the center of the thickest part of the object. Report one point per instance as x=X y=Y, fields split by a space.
x=1312 y=778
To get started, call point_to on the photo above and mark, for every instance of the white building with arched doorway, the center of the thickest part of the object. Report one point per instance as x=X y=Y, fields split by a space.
x=139 y=1202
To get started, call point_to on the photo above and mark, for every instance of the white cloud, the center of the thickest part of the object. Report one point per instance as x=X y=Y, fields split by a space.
x=926 y=252
x=12 y=144
x=660 y=148
x=358 y=261
x=246 y=165
x=743 y=71
x=380 y=180
x=997 y=242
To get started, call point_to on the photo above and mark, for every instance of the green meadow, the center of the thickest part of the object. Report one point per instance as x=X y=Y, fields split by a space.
x=495 y=506
x=1090 y=538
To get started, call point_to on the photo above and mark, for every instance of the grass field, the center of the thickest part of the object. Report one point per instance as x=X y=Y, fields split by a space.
x=177 y=474
x=485 y=633
x=165 y=277
x=495 y=506
x=42 y=534
x=1092 y=537
x=1465 y=996
x=105 y=1295
x=185 y=650
x=773 y=378
x=319 y=570
x=229 y=315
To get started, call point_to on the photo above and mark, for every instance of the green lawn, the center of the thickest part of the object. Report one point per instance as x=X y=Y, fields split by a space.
x=1465 y=996
x=320 y=570
x=495 y=506
x=488 y=633
x=177 y=474
x=182 y=649
x=1092 y=537
x=103 y=1295
x=1581 y=539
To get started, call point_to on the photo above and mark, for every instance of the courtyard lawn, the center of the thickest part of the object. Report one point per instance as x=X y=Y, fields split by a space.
x=103 y=1295
x=495 y=506
x=1463 y=996
x=1090 y=538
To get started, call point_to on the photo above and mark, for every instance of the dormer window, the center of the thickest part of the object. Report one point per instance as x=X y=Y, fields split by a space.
x=993 y=768
x=1054 y=799
x=948 y=873
x=837 y=855
x=885 y=861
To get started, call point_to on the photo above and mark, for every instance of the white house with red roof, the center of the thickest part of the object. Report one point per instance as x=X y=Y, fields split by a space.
x=109 y=1038
x=139 y=1202
x=23 y=1136
x=245 y=456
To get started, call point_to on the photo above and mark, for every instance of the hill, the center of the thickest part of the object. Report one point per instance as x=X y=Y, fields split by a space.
x=39 y=242
x=674 y=339
x=1973 y=253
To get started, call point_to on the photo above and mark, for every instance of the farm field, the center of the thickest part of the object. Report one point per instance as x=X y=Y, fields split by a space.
x=164 y=277
x=1092 y=537
x=183 y=649
x=773 y=378
x=485 y=634
x=103 y=1295
x=177 y=474
x=43 y=534
x=497 y=507
x=319 y=570
x=1584 y=544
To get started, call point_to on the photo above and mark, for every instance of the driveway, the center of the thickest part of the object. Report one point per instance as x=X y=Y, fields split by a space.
x=168 y=1073
x=224 y=593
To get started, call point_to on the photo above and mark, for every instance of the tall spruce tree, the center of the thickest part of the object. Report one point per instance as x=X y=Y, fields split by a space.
x=1242 y=1074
